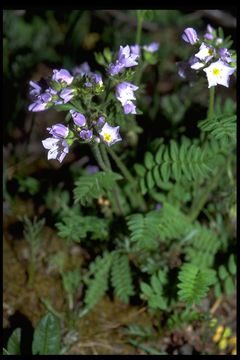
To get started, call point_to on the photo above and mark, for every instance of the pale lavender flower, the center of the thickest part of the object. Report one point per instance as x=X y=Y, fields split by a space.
x=206 y=52
x=83 y=69
x=135 y=49
x=125 y=92
x=114 y=69
x=129 y=108
x=58 y=148
x=190 y=36
x=36 y=89
x=66 y=95
x=78 y=118
x=58 y=131
x=127 y=58
x=88 y=84
x=62 y=76
x=101 y=121
x=97 y=78
x=153 y=47
x=42 y=102
x=86 y=134
x=218 y=73
x=109 y=134
x=209 y=35
x=225 y=55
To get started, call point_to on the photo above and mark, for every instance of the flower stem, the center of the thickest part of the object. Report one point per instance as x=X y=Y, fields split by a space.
x=211 y=102
x=139 y=26
x=203 y=197
x=98 y=156
x=129 y=177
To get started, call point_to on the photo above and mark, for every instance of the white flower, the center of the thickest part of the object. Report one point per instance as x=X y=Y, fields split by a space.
x=110 y=135
x=218 y=73
x=205 y=53
x=58 y=148
x=125 y=92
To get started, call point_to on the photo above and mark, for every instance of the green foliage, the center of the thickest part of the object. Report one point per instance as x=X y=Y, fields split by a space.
x=29 y=184
x=121 y=277
x=185 y=162
x=32 y=232
x=174 y=108
x=153 y=293
x=226 y=278
x=98 y=280
x=194 y=283
x=141 y=331
x=75 y=227
x=90 y=187
x=47 y=336
x=144 y=229
x=222 y=128
x=71 y=280
x=178 y=320
x=13 y=344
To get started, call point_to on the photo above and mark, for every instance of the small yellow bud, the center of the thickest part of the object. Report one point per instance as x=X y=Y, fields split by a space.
x=223 y=344
x=232 y=340
x=234 y=351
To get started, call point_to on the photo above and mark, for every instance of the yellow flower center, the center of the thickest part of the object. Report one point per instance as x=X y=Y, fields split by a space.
x=210 y=51
x=216 y=71
x=107 y=137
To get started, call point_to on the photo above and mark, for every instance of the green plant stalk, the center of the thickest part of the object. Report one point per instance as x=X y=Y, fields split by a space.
x=139 y=26
x=98 y=157
x=115 y=191
x=210 y=113
x=204 y=196
x=128 y=176
x=31 y=272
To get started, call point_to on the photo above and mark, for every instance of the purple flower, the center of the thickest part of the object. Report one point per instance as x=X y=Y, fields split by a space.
x=97 y=78
x=135 y=49
x=125 y=59
x=42 y=102
x=129 y=108
x=66 y=94
x=78 y=118
x=58 y=131
x=116 y=68
x=58 y=148
x=62 y=76
x=86 y=134
x=125 y=92
x=88 y=84
x=110 y=135
x=190 y=36
x=225 y=55
x=36 y=89
x=101 y=121
x=83 y=69
x=153 y=47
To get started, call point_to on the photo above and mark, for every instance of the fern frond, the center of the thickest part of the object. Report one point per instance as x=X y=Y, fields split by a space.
x=153 y=292
x=144 y=229
x=98 y=285
x=90 y=187
x=186 y=161
x=121 y=277
x=194 y=283
x=75 y=227
x=222 y=127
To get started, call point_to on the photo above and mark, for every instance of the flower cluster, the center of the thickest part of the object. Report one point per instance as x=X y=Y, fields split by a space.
x=77 y=93
x=216 y=61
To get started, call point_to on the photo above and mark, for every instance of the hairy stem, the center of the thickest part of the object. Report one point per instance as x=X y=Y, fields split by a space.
x=210 y=113
x=139 y=26
x=129 y=177
x=202 y=199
